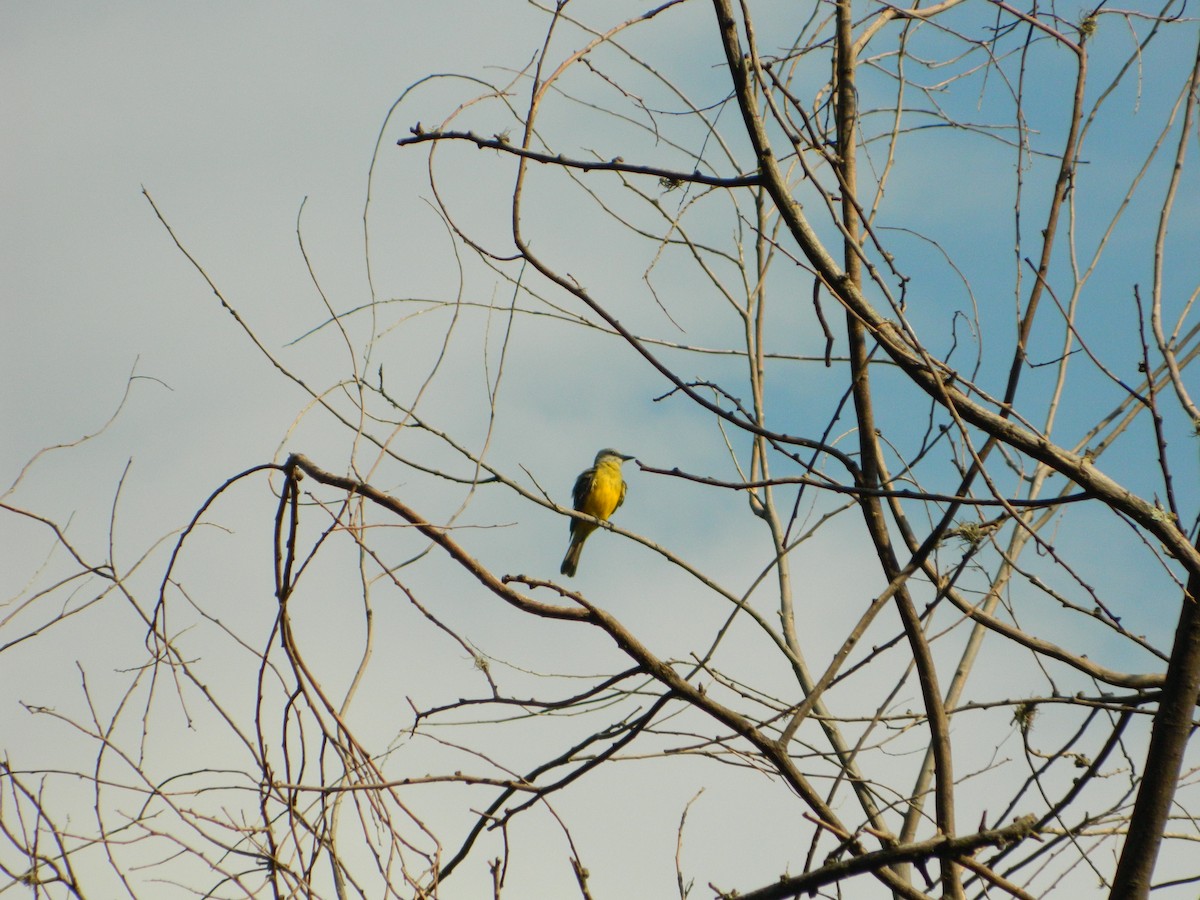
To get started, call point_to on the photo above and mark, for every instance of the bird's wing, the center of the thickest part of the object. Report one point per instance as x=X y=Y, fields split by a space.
x=583 y=486
x=621 y=499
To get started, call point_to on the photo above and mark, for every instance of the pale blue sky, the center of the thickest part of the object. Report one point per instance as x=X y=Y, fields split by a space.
x=231 y=114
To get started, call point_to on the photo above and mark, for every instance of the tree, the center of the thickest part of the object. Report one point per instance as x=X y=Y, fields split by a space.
x=899 y=304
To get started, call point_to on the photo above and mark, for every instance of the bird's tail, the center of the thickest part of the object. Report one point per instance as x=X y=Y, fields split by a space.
x=571 y=561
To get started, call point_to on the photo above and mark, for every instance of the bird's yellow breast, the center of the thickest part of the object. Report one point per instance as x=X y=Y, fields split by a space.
x=607 y=491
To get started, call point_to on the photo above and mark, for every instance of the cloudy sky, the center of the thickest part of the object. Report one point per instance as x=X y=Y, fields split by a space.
x=246 y=123
x=231 y=116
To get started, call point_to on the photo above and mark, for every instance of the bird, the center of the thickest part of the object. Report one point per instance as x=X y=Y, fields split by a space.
x=598 y=492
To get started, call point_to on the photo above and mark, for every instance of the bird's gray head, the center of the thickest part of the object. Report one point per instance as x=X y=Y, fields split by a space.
x=610 y=453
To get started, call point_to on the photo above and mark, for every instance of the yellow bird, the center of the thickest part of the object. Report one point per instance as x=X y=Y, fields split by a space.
x=598 y=492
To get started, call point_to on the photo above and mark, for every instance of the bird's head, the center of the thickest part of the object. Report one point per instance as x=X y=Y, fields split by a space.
x=610 y=453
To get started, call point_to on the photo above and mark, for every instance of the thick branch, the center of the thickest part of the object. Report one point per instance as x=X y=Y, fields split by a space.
x=299 y=463
x=1164 y=759
x=870 y=455
x=940 y=847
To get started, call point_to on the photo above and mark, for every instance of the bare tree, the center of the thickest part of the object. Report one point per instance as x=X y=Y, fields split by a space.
x=909 y=296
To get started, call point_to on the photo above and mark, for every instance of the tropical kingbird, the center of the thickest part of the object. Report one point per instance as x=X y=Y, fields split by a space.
x=598 y=492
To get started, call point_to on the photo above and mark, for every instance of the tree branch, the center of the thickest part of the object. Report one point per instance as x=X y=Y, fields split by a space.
x=940 y=847
x=502 y=144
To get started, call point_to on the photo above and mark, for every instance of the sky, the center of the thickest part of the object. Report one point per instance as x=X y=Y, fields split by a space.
x=253 y=130
x=231 y=117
